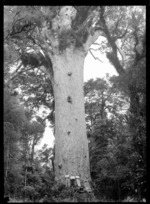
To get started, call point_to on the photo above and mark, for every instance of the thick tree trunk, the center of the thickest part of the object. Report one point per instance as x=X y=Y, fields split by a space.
x=32 y=152
x=71 y=144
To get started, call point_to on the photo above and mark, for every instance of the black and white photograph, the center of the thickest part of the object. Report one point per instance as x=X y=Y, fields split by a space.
x=74 y=120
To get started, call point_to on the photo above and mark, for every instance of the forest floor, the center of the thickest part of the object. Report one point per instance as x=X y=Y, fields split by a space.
x=98 y=199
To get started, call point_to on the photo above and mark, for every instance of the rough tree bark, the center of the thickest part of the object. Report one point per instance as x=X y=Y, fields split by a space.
x=71 y=153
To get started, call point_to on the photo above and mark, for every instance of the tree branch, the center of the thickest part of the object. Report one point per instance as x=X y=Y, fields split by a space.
x=112 y=56
x=16 y=73
x=138 y=55
x=121 y=36
x=48 y=57
x=31 y=68
x=117 y=23
x=121 y=56
x=96 y=44
x=96 y=58
x=91 y=39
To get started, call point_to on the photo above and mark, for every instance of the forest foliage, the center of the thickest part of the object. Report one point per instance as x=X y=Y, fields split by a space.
x=115 y=107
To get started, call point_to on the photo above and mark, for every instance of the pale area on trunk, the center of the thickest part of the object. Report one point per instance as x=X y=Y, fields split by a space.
x=71 y=144
x=72 y=154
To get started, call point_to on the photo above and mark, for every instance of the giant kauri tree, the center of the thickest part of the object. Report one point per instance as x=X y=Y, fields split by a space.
x=56 y=39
